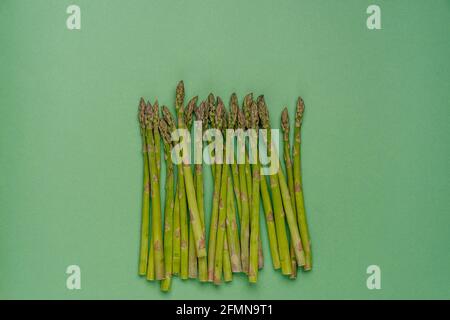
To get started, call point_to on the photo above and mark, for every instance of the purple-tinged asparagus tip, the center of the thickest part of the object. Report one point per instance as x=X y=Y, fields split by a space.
x=168 y=118
x=299 y=112
x=180 y=94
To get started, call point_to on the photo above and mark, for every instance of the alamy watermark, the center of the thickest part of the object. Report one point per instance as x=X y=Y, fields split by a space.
x=220 y=147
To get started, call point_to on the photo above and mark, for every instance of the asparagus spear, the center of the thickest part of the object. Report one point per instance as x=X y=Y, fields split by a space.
x=188 y=118
x=168 y=207
x=184 y=228
x=246 y=106
x=180 y=214
x=155 y=196
x=157 y=150
x=151 y=252
x=221 y=123
x=143 y=256
x=199 y=235
x=232 y=229
x=155 y=118
x=254 y=215
x=201 y=115
x=216 y=171
x=245 y=215
x=298 y=185
x=290 y=176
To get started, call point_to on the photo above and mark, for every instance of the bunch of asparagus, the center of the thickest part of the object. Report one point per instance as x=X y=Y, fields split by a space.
x=234 y=243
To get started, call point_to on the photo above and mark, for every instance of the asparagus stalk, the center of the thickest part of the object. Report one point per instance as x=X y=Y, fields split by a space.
x=286 y=267
x=290 y=176
x=151 y=261
x=254 y=215
x=155 y=196
x=299 y=201
x=188 y=117
x=216 y=171
x=218 y=267
x=293 y=275
x=232 y=230
x=176 y=264
x=168 y=207
x=221 y=228
x=155 y=119
x=227 y=264
x=245 y=215
x=201 y=115
x=184 y=227
x=199 y=235
x=145 y=224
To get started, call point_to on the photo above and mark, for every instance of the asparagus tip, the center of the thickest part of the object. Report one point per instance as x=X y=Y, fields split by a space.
x=220 y=114
x=149 y=115
x=165 y=133
x=285 y=123
x=141 y=114
x=168 y=118
x=299 y=111
x=240 y=119
x=263 y=112
x=180 y=94
x=248 y=99
x=192 y=105
x=233 y=111
x=155 y=113
x=254 y=115
x=211 y=98
x=260 y=99
x=199 y=110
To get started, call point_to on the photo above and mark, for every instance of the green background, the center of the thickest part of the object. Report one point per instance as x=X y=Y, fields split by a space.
x=375 y=137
